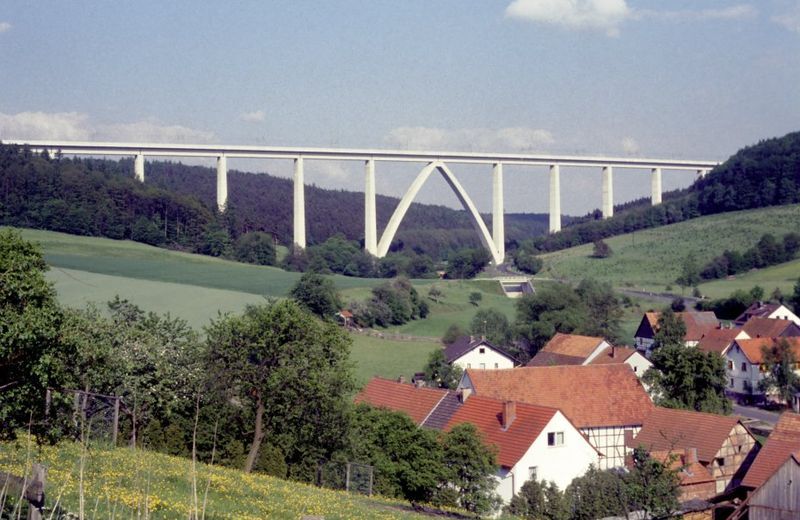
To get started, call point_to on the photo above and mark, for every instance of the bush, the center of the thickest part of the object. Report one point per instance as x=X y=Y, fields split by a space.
x=255 y=248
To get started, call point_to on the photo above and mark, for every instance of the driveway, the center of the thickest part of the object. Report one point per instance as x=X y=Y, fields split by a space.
x=752 y=412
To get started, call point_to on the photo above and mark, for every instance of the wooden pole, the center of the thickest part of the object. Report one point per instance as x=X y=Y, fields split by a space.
x=347 y=478
x=36 y=493
x=116 y=422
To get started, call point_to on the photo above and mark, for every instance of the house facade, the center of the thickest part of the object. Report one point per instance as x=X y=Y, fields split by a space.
x=574 y=349
x=697 y=325
x=606 y=403
x=778 y=498
x=774 y=311
x=470 y=352
x=745 y=367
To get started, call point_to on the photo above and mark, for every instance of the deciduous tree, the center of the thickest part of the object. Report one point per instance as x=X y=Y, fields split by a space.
x=780 y=377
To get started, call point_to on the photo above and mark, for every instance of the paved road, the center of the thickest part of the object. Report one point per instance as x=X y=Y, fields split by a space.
x=756 y=413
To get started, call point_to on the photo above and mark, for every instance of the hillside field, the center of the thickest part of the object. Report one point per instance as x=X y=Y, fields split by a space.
x=136 y=483
x=651 y=259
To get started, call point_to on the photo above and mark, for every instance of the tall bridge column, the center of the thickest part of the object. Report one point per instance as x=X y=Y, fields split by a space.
x=222 y=182
x=608 y=192
x=655 y=186
x=370 y=215
x=555 y=198
x=138 y=167
x=498 y=212
x=299 y=205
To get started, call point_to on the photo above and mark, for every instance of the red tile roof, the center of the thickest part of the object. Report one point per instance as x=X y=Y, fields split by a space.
x=590 y=396
x=668 y=429
x=690 y=473
x=697 y=323
x=753 y=348
x=621 y=355
x=573 y=344
x=418 y=403
x=758 y=310
x=782 y=443
x=717 y=340
x=513 y=443
x=767 y=327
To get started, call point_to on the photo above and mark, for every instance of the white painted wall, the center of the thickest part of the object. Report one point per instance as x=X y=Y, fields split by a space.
x=734 y=358
x=560 y=464
x=489 y=359
x=638 y=363
x=601 y=347
x=783 y=313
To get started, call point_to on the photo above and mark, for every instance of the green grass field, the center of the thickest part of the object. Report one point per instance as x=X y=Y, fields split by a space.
x=128 y=483
x=651 y=259
x=389 y=358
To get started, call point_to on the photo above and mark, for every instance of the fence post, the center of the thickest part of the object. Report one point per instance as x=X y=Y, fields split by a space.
x=371 y=470
x=116 y=422
x=347 y=478
x=36 y=499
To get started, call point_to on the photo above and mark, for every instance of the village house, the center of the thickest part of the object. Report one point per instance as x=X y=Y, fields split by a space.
x=471 y=352
x=775 y=311
x=531 y=441
x=574 y=349
x=745 y=366
x=719 y=444
x=603 y=401
x=773 y=478
x=717 y=340
x=697 y=325
x=770 y=328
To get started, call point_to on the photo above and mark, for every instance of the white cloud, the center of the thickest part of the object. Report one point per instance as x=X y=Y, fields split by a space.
x=789 y=20
x=255 y=116
x=734 y=12
x=510 y=139
x=336 y=171
x=630 y=146
x=5 y=26
x=75 y=126
x=602 y=15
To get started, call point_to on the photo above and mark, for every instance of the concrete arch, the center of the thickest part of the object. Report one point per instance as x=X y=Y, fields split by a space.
x=466 y=203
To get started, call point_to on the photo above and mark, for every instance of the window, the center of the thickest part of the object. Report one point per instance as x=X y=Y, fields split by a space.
x=635 y=369
x=733 y=383
x=744 y=367
x=730 y=365
x=496 y=365
x=469 y=365
x=532 y=473
x=483 y=366
x=482 y=350
x=555 y=438
x=720 y=461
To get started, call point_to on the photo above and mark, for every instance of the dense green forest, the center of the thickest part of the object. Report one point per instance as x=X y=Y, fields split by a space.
x=176 y=207
x=765 y=174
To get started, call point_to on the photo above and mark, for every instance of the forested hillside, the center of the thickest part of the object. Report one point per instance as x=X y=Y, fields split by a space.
x=765 y=174
x=176 y=206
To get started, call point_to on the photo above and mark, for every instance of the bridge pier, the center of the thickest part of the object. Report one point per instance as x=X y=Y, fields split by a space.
x=299 y=205
x=608 y=192
x=555 y=198
x=138 y=167
x=370 y=214
x=498 y=212
x=222 y=183
x=655 y=186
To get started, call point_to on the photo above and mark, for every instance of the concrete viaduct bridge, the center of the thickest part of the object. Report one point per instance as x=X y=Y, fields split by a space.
x=433 y=161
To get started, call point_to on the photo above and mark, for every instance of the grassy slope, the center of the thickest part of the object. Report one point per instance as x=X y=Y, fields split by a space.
x=123 y=482
x=652 y=259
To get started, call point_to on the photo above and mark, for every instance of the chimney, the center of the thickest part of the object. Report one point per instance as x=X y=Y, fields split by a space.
x=401 y=379
x=471 y=338
x=628 y=439
x=690 y=456
x=464 y=394
x=419 y=383
x=509 y=414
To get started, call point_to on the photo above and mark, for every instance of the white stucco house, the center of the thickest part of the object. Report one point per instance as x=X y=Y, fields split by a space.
x=745 y=365
x=775 y=311
x=471 y=352
x=574 y=349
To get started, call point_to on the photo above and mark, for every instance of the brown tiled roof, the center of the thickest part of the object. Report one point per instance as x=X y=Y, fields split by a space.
x=758 y=310
x=486 y=414
x=690 y=473
x=697 y=323
x=590 y=396
x=717 y=340
x=668 y=429
x=782 y=443
x=565 y=349
x=753 y=348
x=418 y=403
x=621 y=355
x=767 y=327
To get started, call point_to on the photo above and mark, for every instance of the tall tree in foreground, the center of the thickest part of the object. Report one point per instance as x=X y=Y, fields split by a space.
x=780 y=376
x=538 y=501
x=652 y=486
x=470 y=467
x=30 y=322
x=291 y=372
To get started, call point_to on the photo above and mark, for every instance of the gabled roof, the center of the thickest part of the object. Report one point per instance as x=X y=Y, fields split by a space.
x=464 y=344
x=416 y=402
x=770 y=328
x=782 y=443
x=717 y=340
x=690 y=473
x=753 y=348
x=512 y=443
x=668 y=429
x=757 y=310
x=613 y=355
x=697 y=323
x=590 y=396
x=566 y=349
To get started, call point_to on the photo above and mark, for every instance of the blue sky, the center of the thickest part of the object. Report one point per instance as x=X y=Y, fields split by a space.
x=678 y=79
